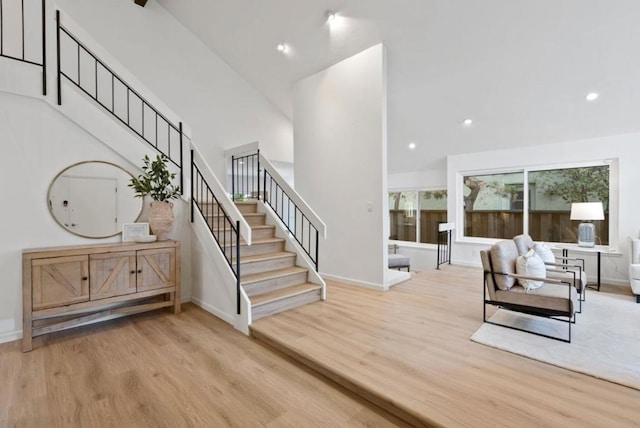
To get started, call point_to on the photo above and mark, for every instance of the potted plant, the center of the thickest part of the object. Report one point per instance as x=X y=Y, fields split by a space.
x=155 y=181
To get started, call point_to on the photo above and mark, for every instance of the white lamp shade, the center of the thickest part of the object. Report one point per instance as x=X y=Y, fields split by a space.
x=587 y=211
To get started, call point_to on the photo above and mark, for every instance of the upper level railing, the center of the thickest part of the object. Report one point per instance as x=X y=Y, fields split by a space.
x=444 y=243
x=224 y=230
x=22 y=33
x=254 y=177
x=87 y=72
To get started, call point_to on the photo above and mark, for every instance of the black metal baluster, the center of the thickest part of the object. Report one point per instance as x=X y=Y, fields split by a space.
x=1 y=31
x=192 y=199
x=23 y=58
x=58 y=57
x=44 y=49
x=238 y=265
x=233 y=178
x=181 y=161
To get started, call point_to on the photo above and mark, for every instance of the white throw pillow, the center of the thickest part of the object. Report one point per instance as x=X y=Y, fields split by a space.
x=531 y=265
x=544 y=252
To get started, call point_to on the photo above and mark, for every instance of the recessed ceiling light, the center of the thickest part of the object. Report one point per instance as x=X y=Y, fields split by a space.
x=412 y=146
x=592 y=96
x=467 y=122
x=282 y=47
x=331 y=15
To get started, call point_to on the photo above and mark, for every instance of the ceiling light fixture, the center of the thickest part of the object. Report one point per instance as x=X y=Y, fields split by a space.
x=331 y=15
x=282 y=47
x=592 y=96
x=467 y=122
x=412 y=146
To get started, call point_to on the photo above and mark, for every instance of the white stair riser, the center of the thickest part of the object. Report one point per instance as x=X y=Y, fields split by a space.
x=256 y=220
x=248 y=208
x=271 y=284
x=255 y=249
x=285 y=304
x=266 y=265
x=263 y=233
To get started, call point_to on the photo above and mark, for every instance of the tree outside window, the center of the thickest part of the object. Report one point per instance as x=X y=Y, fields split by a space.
x=494 y=204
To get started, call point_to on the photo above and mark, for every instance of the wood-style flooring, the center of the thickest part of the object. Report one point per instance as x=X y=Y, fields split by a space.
x=408 y=350
x=164 y=370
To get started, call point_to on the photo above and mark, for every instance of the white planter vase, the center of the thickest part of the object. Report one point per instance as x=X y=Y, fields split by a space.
x=161 y=219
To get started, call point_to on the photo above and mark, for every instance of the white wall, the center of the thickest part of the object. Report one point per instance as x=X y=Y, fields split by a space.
x=340 y=164
x=221 y=108
x=38 y=142
x=418 y=180
x=621 y=150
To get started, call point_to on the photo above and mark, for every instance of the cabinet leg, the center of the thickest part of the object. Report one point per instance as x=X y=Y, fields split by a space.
x=176 y=303
x=27 y=342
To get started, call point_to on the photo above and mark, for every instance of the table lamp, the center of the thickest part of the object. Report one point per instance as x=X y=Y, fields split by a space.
x=587 y=211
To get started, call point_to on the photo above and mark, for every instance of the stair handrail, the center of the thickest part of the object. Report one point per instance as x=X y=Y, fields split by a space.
x=313 y=217
x=221 y=194
x=145 y=105
x=210 y=206
x=23 y=56
x=254 y=176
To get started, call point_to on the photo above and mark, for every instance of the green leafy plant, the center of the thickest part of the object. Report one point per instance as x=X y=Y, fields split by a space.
x=155 y=180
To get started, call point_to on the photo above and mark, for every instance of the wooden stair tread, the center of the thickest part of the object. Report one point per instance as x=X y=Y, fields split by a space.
x=256 y=226
x=243 y=243
x=272 y=274
x=275 y=295
x=265 y=257
x=243 y=214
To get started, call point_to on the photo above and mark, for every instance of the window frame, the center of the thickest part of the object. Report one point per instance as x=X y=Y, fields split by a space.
x=525 y=170
x=416 y=243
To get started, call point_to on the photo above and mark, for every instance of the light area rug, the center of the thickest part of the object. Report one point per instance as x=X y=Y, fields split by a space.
x=605 y=340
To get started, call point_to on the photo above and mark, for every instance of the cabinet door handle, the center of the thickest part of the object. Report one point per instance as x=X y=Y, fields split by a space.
x=84 y=278
x=132 y=272
x=140 y=271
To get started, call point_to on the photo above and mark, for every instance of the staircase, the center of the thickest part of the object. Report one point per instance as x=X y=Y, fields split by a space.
x=279 y=269
x=269 y=274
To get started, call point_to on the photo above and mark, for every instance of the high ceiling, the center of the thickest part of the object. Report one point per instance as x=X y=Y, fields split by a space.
x=519 y=68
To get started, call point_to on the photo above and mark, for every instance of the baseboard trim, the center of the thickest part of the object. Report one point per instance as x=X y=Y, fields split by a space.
x=213 y=310
x=10 y=336
x=350 y=281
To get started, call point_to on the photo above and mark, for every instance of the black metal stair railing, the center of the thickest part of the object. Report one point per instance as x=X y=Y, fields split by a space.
x=92 y=76
x=249 y=181
x=224 y=230
x=444 y=244
x=17 y=39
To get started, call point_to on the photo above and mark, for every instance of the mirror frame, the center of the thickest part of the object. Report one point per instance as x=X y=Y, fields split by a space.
x=50 y=208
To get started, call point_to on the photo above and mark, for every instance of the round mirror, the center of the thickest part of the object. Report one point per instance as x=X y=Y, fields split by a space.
x=92 y=199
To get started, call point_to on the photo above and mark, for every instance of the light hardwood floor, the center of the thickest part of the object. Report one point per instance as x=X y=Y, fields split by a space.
x=409 y=351
x=165 y=370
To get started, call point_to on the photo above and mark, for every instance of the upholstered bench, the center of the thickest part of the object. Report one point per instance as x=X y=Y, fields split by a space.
x=398 y=261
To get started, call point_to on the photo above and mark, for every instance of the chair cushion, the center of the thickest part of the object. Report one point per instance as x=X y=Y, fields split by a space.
x=544 y=252
x=530 y=265
x=581 y=280
x=554 y=297
x=503 y=260
x=524 y=243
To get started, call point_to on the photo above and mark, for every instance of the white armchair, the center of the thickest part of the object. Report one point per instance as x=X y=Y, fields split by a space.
x=634 y=268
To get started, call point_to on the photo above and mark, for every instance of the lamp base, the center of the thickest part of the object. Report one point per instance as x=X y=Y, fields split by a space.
x=586 y=235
